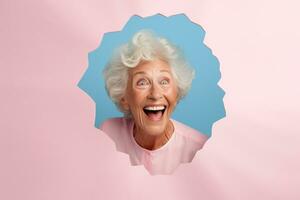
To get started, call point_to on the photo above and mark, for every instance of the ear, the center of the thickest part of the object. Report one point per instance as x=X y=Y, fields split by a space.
x=124 y=104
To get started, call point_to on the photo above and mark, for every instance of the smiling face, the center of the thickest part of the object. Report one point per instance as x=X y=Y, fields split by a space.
x=151 y=96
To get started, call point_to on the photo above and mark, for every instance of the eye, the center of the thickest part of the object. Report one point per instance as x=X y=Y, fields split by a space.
x=142 y=82
x=164 y=82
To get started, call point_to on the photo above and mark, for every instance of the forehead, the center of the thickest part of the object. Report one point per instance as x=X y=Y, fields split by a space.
x=150 y=66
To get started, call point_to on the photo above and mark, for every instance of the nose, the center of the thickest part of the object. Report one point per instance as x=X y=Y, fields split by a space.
x=155 y=93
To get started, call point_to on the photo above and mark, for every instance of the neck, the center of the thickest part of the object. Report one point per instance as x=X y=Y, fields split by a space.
x=152 y=142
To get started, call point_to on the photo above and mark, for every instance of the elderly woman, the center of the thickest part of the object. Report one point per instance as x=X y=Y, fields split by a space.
x=146 y=78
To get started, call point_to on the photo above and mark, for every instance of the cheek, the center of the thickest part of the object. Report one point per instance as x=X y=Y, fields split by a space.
x=136 y=107
x=172 y=98
x=135 y=100
x=137 y=97
x=172 y=95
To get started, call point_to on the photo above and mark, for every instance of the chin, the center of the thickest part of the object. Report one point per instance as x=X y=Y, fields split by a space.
x=153 y=122
x=155 y=130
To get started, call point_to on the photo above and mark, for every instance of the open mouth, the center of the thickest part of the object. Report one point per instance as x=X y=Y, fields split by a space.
x=154 y=113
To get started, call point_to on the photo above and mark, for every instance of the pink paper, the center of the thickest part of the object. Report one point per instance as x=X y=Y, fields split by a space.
x=49 y=150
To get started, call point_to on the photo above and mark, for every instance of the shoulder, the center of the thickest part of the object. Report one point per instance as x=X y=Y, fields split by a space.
x=188 y=140
x=192 y=137
x=116 y=125
x=112 y=123
x=118 y=129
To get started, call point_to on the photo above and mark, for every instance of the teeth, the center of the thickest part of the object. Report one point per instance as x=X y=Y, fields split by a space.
x=154 y=108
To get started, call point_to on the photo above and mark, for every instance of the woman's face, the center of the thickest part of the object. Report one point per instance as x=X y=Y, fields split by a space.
x=151 y=96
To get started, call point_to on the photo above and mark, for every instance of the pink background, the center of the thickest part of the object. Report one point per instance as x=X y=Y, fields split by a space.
x=49 y=148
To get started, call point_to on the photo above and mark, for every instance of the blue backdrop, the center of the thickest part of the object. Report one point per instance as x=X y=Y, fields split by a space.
x=201 y=107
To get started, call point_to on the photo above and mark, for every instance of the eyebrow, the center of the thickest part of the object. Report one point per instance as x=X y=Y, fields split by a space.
x=165 y=70
x=142 y=72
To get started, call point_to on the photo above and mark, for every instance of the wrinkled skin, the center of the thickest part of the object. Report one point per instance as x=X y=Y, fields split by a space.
x=151 y=83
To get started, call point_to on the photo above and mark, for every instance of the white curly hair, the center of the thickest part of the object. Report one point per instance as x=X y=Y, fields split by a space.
x=145 y=46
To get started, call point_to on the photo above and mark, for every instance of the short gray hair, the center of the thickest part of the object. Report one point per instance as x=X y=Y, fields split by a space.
x=145 y=46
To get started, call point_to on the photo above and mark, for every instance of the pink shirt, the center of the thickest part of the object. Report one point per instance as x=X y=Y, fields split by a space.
x=181 y=147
